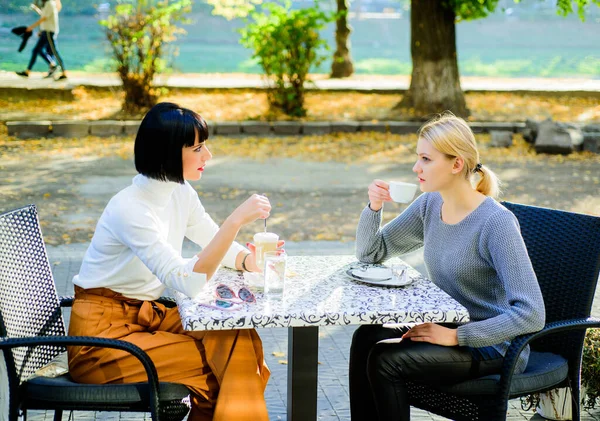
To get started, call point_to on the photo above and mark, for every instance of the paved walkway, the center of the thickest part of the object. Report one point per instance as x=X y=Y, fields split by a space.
x=356 y=83
x=334 y=343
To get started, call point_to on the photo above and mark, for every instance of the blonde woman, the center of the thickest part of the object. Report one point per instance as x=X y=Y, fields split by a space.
x=473 y=250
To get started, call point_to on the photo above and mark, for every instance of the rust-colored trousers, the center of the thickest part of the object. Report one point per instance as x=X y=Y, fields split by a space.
x=224 y=370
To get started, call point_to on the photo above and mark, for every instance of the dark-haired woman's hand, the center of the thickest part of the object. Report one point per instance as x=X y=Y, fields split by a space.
x=255 y=207
x=379 y=192
x=251 y=260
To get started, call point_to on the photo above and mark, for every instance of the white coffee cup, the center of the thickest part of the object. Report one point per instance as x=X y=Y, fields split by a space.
x=402 y=192
x=264 y=241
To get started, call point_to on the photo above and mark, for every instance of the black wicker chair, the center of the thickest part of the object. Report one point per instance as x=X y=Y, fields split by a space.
x=32 y=333
x=564 y=249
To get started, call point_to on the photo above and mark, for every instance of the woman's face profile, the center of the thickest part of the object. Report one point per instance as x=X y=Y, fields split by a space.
x=433 y=168
x=194 y=159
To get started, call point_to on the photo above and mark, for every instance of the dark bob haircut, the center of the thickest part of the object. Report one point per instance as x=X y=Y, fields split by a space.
x=165 y=130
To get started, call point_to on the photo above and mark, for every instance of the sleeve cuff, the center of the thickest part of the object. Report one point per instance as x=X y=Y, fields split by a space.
x=185 y=280
x=374 y=211
x=461 y=335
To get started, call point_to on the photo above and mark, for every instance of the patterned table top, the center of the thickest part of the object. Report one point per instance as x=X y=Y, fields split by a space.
x=318 y=292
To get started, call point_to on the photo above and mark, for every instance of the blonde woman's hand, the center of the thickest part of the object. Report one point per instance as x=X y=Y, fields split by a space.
x=432 y=333
x=379 y=192
x=255 y=207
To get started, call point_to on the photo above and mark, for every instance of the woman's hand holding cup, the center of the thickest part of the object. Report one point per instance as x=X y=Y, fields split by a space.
x=379 y=192
x=255 y=207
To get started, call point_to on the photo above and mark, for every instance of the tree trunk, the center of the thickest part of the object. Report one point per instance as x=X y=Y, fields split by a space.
x=435 y=84
x=139 y=95
x=342 y=63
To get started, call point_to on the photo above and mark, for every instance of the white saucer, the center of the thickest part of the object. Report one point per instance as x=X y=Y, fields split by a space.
x=387 y=282
x=254 y=280
x=372 y=273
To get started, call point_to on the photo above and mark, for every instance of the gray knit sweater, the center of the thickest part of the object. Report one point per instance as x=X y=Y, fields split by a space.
x=481 y=262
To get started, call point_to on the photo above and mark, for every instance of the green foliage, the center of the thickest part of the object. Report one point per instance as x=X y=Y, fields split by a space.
x=286 y=43
x=138 y=32
x=476 y=9
x=590 y=368
x=565 y=7
x=472 y=9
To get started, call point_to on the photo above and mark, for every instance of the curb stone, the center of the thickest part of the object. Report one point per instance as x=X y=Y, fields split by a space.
x=130 y=127
x=403 y=127
x=211 y=125
x=374 y=127
x=36 y=129
x=256 y=127
x=345 y=126
x=287 y=127
x=481 y=127
x=106 y=128
x=227 y=127
x=70 y=128
x=316 y=127
x=28 y=129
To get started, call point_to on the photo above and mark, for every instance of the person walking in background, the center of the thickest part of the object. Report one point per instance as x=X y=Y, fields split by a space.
x=46 y=45
x=47 y=52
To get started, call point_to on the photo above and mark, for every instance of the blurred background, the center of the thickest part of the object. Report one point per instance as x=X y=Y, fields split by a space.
x=527 y=39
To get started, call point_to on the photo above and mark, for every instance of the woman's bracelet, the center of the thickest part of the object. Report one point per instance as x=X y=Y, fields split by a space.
x=244 y=262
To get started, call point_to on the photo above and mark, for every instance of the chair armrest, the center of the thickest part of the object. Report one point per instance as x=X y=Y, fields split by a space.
x=98 y=342
x=520 y=342
x=167 y=302
x=66 y=301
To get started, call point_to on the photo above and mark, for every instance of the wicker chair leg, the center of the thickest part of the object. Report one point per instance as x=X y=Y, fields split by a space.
x=575 y=397
x=58 y=415
x=575 y=411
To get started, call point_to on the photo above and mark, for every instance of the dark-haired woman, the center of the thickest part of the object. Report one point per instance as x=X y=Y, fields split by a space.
x=135 y=254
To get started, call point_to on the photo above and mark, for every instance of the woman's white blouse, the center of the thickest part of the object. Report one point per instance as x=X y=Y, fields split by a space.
x=50 y=13
x=136 y=248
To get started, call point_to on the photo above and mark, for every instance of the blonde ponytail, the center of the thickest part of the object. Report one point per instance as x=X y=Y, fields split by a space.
x=488 y=183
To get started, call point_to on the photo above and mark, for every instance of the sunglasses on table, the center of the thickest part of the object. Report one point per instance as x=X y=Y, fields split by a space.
x=222 y=305
x=226 y=294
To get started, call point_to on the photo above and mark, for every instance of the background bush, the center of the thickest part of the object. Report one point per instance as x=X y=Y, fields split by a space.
x=590 y=368
x=137 y=33
x=286 y=43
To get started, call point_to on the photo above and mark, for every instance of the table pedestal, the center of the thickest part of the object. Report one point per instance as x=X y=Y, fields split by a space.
x=303 y=345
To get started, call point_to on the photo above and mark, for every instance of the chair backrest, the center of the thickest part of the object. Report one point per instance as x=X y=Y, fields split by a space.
x=29 y=304
x=564 y=249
